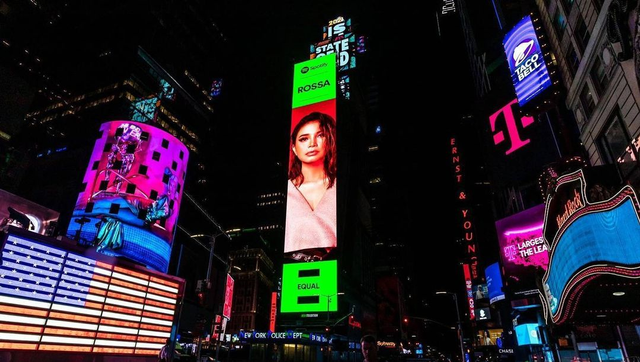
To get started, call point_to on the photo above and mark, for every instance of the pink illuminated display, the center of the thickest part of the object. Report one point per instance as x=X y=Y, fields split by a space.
x=511 y=123
x=469 y=288
x=132 y=192
x=228 y=297
x=521 y=240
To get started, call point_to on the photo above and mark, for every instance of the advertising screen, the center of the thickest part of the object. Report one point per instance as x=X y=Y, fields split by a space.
x=131 y=193
x=494 y=283
x=309 y=287
x=523 y=251
x=527 y=334
x=311 y=231
x=22 y=213
x=480 y=291
x=228 y=297
x=337 y=38
x=526 y=62
x=588 y=239
x=55 y=300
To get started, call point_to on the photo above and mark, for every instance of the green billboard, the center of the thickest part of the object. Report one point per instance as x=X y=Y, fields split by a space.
x=314 y=81
x=310 y=287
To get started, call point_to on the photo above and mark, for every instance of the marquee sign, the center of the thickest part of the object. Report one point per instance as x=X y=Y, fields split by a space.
x=587 y=239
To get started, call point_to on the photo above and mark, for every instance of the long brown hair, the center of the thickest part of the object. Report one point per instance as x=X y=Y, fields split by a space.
x=328 y=127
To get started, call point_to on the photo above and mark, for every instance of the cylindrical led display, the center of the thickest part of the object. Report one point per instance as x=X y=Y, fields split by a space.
x=132 y=191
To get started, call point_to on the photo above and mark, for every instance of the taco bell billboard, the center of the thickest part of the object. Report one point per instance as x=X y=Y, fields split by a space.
x=526 y=62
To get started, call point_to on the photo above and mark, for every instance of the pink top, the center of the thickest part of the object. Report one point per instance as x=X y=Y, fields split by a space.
x=307 y=228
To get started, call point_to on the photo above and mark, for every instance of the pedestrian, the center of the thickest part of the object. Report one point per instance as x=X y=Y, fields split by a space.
x=163 y=355
x=369 y=348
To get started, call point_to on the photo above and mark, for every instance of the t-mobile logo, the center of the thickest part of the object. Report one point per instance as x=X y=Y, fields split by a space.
x=512 y=127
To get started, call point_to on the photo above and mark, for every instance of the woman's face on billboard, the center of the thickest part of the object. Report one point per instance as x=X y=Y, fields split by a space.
x=310 y=145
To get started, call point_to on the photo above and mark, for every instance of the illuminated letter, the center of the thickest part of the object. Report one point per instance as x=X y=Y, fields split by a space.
x=512 y=127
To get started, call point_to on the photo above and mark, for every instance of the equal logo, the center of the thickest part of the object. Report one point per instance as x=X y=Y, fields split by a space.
x=309 y=287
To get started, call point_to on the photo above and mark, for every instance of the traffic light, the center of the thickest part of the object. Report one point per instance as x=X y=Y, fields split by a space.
x=201 y=298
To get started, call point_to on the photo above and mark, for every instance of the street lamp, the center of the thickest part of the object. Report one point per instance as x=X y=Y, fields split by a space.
x=212 y=244
x=328 y=296
x=455 y=300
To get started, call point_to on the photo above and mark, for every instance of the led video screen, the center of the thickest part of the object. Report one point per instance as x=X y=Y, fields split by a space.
x=310 y=287
x=131 y=193
x=522 y=248
x=55 y=300
x=311 y=222
x=526 y=62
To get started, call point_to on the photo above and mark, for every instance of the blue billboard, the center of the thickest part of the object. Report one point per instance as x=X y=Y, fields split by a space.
x=526 y=62
x=494 y=282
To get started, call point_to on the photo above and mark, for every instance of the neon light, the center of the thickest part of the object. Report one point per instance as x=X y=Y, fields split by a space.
x=610 y=227
x=515 y=140
x=79 y=310
x=524 y=231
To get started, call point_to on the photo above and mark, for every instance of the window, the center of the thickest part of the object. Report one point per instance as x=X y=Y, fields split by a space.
x=614 y=142
x=156 y=156
x=573 y=61
x=586 y=98
x=560 y=22
x=599 y=75
x=567 y=5
x=582 y=34
x=598 y=5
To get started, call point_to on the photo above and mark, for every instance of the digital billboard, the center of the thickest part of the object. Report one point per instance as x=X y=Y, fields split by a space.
x=228 y=297
x=311 y=231
x=338 y=39
x=587 y=239
x=310 y=287
x=55 y=300
x=25 y=214
x=522 y=249
x=494 y=283
x=526 y=61
x=527 y=334
x=480 y=291
x=131 y=193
